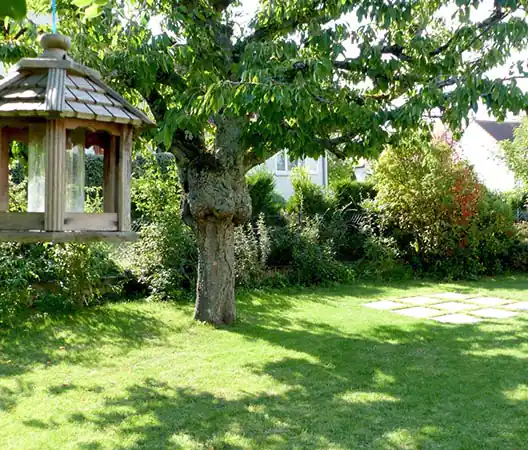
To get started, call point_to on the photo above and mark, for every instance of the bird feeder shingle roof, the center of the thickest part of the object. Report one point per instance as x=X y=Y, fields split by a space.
x=55 y=85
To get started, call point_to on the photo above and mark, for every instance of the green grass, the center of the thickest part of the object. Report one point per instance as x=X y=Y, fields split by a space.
x=301 y=369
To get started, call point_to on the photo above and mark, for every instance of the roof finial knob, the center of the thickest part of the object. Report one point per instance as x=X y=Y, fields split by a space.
x=55 y=45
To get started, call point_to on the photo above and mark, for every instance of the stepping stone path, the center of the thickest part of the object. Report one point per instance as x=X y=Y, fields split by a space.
x=452 y=307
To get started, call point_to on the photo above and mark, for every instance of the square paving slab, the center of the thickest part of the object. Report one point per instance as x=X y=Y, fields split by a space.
x=519 y=306
x=419 y=312
x=493 y=313
x=455 y=306
x=385 y=304
x=457 y=319
x=419 y=300
x=489 y=301
x=451 y=296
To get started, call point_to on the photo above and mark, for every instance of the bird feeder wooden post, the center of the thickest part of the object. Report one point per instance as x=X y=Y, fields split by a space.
x=59 y=108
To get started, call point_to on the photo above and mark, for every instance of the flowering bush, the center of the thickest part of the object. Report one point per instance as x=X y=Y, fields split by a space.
x=444 y=220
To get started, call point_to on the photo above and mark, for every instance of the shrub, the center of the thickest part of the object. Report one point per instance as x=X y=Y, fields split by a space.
x=381 y=259
x=521 y=229
x=18 y=271
x=165 y=257
x=308 y=198
x=516 y=199
x=313 y=260
x=252 y=248
x=302 y=252
x=264 y=199
x=80 y=271
x=444 y=221
x=518 y=257
x=53 y=277
x=349 y=194
x=343 y=225
x=516 y=152
x=18 y=199
x=165 y=161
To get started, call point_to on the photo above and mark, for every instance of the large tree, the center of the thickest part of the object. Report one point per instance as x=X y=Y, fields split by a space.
x=313 y=76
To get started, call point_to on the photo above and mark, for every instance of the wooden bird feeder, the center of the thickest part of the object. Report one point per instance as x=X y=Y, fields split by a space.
x=59 y=108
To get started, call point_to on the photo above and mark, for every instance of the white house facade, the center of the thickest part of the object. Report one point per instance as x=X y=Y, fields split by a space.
x=281 y=166
x=480 y=145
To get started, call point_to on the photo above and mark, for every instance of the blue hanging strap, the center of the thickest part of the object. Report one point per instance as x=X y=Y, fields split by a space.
x=53 y=16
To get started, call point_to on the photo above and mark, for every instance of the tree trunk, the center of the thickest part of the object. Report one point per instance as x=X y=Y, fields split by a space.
x=215 y=199
x=215 y=288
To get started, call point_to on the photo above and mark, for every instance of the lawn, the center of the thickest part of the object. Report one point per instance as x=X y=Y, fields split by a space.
x=301 y=369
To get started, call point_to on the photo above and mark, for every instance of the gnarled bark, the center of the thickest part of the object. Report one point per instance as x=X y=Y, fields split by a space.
x=215 y=289
x=215 y=199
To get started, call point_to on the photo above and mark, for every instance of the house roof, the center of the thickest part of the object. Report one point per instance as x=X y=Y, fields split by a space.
x=55 y=85
x=500 y=131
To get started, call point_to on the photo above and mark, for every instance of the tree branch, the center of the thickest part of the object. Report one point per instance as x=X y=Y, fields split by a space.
x=497 y=15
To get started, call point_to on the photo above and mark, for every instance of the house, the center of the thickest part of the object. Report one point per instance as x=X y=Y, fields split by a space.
x=480 y=145
x=281 y=166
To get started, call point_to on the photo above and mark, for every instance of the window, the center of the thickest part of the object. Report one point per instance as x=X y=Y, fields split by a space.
x=284 y=165
x=280 y=161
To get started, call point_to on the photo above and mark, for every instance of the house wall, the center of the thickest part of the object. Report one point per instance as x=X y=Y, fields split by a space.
x=363 y=172
x=482 y=151
x=317 y=170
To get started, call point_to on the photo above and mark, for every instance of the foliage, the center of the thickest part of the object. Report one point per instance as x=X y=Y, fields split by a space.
x=17 y=9
x=264 y=199
x=94 y=170
x=349 y=194
x=309 y=198
x=444 y=221
x=80 y=270
x=18 y=193
x=53 y=277
x=313 y=260
x=340 y=169
x=522 y=231
x=20 y=266
x=516 y=199
x=381 y=258
x=267 y=72
x=155 y=188
x=306 y=255
x=516 y=152
x=165 y=257
x=517 y=258
x=252 y=248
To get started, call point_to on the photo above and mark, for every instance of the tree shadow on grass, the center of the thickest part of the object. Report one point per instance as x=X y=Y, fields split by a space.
x=77 y=339
x=423 y=386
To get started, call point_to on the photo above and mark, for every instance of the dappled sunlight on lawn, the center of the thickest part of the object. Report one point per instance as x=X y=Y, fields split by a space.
x=308 y=369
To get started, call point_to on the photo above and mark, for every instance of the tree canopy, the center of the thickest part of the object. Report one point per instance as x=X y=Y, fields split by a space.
x=311 y=75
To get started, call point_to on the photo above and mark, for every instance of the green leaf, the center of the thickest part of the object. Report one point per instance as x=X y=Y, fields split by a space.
x=17 y=9
x=92 y=11
x=82 y=3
